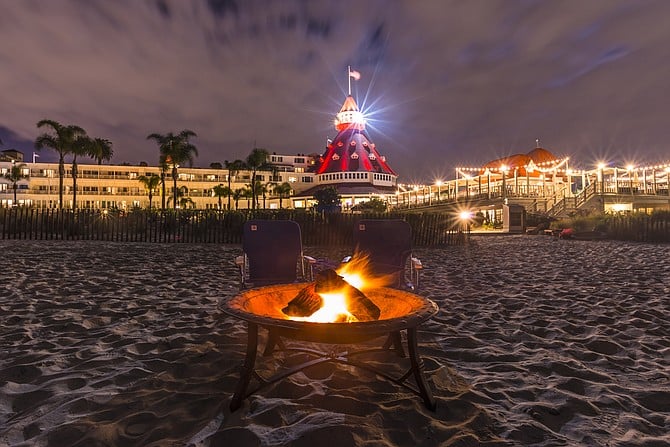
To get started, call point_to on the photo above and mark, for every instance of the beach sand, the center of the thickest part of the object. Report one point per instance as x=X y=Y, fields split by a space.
x=538 y=341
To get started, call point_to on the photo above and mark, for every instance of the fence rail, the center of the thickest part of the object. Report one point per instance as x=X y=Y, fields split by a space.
x=207 y=226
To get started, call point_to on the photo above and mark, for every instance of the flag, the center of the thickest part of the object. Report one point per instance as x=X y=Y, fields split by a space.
x=354 y=74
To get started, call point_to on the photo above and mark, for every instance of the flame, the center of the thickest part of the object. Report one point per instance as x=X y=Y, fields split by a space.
x=357 y=273
x=334 y=310
x=335 y=305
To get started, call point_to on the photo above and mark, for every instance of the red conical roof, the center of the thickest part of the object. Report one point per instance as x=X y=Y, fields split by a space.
x=352 y=149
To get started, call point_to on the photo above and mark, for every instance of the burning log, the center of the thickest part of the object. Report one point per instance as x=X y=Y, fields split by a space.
x=305 y=303
x=309 y=301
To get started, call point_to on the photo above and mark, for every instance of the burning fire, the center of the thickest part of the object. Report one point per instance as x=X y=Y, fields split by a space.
x=336 y=305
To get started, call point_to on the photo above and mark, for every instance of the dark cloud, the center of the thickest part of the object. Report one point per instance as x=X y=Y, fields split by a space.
x=446 y=82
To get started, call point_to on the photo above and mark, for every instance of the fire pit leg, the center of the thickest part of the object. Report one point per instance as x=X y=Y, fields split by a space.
x=395 y=340
x=247 y=369
x=273 y=340
x=417 y=368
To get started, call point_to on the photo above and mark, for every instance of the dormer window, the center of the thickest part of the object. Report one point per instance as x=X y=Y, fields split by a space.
x=354 y=156
x=336 y=157
x=340 y=144
x=372 y=157
x=365 y=143
x=352 y=144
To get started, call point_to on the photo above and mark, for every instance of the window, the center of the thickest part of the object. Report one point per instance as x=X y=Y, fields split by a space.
x=299 y=160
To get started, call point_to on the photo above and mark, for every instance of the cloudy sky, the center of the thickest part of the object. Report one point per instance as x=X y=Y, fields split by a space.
x=444 y=83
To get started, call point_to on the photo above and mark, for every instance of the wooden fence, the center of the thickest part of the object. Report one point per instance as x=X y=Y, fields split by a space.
x=207 y=226
x=639 y=227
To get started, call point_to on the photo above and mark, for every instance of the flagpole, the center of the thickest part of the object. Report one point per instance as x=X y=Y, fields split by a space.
x=349 y=78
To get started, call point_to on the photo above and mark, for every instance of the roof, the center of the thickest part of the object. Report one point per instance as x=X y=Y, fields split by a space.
x=519 y=162
x=352 y=151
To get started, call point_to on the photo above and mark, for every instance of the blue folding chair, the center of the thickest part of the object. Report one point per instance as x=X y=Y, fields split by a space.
x=272 y=254
x=388 y=245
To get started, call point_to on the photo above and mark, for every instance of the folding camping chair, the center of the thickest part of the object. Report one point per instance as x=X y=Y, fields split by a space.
x=272 y=254
x=388 y=245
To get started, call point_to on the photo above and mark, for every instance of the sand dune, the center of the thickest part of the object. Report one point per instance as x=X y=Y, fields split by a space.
x=538 y=342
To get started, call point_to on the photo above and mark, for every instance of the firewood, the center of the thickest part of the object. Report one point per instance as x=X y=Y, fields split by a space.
x=305 y=303
x=308 y=300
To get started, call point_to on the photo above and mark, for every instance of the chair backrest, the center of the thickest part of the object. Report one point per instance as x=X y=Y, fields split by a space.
x=273 y=249
x=387 y=242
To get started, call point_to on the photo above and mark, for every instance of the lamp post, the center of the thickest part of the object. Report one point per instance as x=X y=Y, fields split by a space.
x=601 y=177
x=439 y=185
x=503 y=170
x=629 y=171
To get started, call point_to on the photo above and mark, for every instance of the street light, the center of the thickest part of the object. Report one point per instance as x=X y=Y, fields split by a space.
x=465 y=217
x=438 y=183
x=601 y=176
x=504 y=169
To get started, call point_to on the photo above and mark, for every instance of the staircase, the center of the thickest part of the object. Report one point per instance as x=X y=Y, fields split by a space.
x=585 y=200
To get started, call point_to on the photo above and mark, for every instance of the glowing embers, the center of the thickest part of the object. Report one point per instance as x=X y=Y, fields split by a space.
x=337 y=296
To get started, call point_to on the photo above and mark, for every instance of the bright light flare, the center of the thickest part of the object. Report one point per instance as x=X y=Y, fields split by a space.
x=465 y=215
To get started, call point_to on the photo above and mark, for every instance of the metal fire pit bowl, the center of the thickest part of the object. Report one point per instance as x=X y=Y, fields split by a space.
x=400 y=311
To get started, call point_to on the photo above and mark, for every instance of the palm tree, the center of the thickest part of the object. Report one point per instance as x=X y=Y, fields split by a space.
x=261 y=189
x=162 y=164
x=182 y=199
x=240 y=193
x=101 y=150
x=62 y=142
x=15 y=175
x=233 y=168
x=174 y=150
x=282 y=190
x=82 y=147
x=256 y=161
x=220 y=191
x=150 y=183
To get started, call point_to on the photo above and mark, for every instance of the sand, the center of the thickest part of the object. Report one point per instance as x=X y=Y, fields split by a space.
x=538 y=341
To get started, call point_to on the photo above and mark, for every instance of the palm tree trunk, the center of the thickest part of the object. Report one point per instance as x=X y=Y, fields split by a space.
x=229 y=190
x=163 y=186
x=174 y=179
x=15 y=186
x=61 y=177
x=74 y=183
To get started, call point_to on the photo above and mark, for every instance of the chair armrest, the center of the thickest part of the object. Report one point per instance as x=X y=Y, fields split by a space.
x=416 y=263
x=239 y=261
x=309 y=259
x=346 y=259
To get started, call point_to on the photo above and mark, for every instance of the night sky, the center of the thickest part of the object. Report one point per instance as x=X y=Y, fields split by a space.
x=444 y=83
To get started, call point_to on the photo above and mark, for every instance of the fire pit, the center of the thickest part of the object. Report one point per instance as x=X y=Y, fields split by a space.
x=400 y=311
